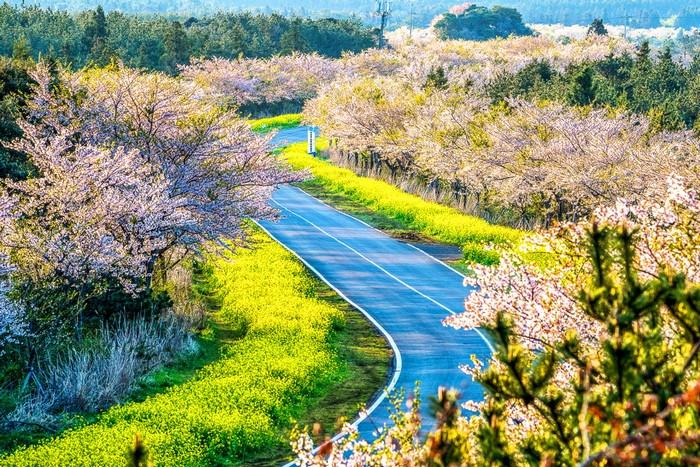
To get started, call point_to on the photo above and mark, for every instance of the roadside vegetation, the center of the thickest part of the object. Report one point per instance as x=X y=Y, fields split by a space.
x=291 y=352
x=84 y=308
x=596 y=356
x=608 y=342
x=101 y=336
x=280 y=122
x=524 y=132
x=105 y=342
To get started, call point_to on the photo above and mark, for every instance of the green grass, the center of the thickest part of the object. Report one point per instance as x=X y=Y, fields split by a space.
x=209 y=345
x=293 y=353
x=264 y=125
x=392 y=226
x=386 y=206
x=210 y=342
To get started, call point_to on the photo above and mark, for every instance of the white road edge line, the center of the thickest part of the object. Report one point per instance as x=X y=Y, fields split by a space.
x=478 y=331
x=330 y=235
x=397 y=354
x=383 y=233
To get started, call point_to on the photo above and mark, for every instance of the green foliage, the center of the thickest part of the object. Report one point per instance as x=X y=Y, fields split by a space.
x=162 y=42
x=14 y=85
x=597 y=28
x=94 y=40
x=658 y=87
x=437 y=79
x=236 y=406
x=264 y=125
x=448 y=444
x=582 y=88
x=431 y=219
x=292 y=40
x=21 y=49
x=480 y=23
x=647 y=14
x=634 y=398
x=176 y=46
x=59 y=312
x=535 y=80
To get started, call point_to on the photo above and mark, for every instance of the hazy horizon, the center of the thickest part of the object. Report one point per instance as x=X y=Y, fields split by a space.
x=633 y=13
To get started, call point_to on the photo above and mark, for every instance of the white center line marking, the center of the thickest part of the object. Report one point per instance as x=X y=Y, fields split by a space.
x=408 y=286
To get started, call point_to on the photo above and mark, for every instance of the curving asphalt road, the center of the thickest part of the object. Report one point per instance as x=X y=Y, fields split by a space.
x=405 y=292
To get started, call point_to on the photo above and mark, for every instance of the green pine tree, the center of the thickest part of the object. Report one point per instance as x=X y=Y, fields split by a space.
x=292 y=40
x=22 y=49
x=176 y=47
x=582 y=89
x=597 y=28
x=637 y=396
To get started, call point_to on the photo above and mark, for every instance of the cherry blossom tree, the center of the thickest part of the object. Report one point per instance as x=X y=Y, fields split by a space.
x=543 y=301
x=481 y=61
x=367 y=116
x=523 y=163
x=131 y=167
x=207 y=157
x=293 y=77
x=13 y=324
x=567 y=161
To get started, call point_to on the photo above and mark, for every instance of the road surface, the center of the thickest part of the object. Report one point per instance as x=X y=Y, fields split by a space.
x=405 y=292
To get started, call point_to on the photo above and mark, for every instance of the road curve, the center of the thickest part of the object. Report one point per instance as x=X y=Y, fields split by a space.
x=405 y=292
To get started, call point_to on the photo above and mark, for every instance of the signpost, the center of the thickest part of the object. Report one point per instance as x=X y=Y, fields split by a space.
x=311 y=140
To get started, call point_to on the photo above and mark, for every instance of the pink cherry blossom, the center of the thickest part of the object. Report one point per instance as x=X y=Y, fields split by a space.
x=293 y=77
x=131 y=166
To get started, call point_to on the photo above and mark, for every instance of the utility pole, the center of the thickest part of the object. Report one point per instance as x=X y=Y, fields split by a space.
x=410 y=30
x=383 y=12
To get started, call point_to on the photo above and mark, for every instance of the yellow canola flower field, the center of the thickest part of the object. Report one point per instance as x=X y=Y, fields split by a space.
x=264 y=125
x=238 y=405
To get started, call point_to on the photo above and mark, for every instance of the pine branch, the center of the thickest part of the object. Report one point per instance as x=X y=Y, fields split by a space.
x=647 y=433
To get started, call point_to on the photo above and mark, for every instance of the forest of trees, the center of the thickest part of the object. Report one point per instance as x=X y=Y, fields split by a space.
x=162 y=43
x=634 y=13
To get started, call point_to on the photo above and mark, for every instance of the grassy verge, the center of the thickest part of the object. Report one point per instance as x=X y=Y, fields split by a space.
x=293 y=353
x=209 y=345
x=263 y=125
x=388 y=207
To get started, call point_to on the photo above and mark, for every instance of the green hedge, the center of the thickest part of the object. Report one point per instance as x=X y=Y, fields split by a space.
x=434 y=220
x=237 y=406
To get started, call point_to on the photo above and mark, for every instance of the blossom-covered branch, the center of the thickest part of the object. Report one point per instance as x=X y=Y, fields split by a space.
x=131 y=166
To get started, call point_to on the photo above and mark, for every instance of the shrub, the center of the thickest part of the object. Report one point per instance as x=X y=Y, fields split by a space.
x=103 y=372
x=265 y=125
